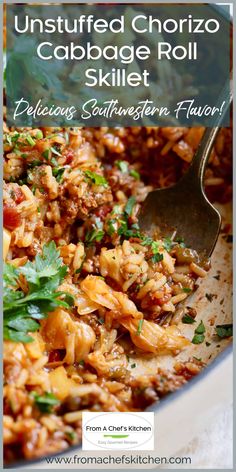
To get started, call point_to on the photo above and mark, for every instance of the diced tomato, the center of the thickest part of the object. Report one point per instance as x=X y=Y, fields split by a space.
x=69 y=156
x=18 y=196
x=161 y=301
x=56 y=356
x=11 y=218
x=103 y=211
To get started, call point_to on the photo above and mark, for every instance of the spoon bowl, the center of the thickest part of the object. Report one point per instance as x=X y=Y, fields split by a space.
x=185 y=210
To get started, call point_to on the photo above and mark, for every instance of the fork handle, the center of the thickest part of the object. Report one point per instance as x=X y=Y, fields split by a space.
x=202 y=154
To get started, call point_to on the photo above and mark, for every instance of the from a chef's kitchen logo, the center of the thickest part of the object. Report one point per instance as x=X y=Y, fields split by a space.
x=118 y=431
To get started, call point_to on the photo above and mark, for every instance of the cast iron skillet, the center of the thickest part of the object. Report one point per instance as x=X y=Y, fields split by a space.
x=155 y=408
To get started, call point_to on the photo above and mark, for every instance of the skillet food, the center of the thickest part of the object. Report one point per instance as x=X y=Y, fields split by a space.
x=86 y=293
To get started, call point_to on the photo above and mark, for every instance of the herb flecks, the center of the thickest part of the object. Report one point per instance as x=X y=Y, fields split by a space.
x=129 y=206
x=45 y=403
x=95 y=234
x=199 y=334
x=210 y=296
x=140 y=325
x=96 y=179
x=224 y=330
x=122 y=166
x=188 y=319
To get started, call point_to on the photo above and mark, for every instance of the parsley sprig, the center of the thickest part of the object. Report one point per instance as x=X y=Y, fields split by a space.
x=224 y=330
x=45 y=403
x=95 y=234
x=23 y=310
x=95 y=178
x=199 y=334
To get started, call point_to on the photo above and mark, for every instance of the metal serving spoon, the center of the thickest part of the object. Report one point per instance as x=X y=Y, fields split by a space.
x=184 y=207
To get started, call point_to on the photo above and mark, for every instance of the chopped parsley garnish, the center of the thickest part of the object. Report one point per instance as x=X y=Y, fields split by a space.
x=123 y=166
x=187 y=319
x=23 y=310
x=147 y=241
x=71 y=435
x=54 y=150
x=187 y=290
x=45 y=403
x=94 y=235
x=126 y=232
x=155 y=245
x=198 y=339
x=157 y=257
x=200 y=328
x=111 y=227
x=224 y=331
x=167 y=244
x=58 y=173
x=209 y=296
x=30 y=140
x=140 y=325
x=180 y=241
x=116 y=210
x=45 y=154
x=96 y=178
x=54 y=162
x=39 y=134
x=35 y=163
x=18 y=139
x=129 y=206
x=134 y=173
x=199 y=335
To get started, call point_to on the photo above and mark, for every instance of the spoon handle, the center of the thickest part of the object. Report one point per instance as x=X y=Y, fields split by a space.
x=200 y=159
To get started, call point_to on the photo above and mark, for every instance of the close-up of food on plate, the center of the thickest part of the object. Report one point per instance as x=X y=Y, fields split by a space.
x=99 y=314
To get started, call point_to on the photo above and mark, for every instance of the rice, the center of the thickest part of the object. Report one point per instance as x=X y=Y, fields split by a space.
x=85 y=198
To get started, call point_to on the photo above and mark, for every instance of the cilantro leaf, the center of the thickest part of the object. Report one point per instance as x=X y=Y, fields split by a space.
x=44 y=266
x=224 y=331
x=123 y=166
x=10 y=274
x=167 y=244
x=45 y=403
x=200 y=328
x=198 y=339
x=129 y=206
x=94 y=235
x=147 y=241
x=187 y=319
x=23 y=310
x=140 y=325
x=96 y=178
x=58 y=173
x=111 y=227
x=16 y=336
x=199 y=335
x=134 y=173
x=54 y=150
x=157 y=257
